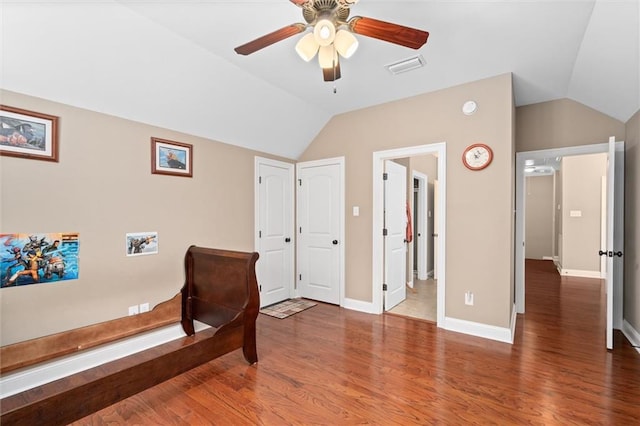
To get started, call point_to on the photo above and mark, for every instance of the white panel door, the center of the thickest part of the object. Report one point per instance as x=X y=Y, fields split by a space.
x=274 y=270
x=615 y=238
x=395 y=223
x=320 y=211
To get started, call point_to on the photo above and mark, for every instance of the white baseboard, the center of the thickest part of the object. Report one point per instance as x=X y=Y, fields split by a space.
x=631 y=334
x=547 y=258
x=410 y=284
x=579 y=273
x=501 y=334
x=30 y=377
x=358 y=305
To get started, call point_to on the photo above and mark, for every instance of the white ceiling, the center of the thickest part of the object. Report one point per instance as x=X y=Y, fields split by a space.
x=171 y=63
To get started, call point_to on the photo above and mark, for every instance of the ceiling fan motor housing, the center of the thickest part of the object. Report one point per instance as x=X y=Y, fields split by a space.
x=337 y=11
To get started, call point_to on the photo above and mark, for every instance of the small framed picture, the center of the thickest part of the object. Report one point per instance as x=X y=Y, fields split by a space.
x=171 y=158
x=141 y=243
x=28 y=134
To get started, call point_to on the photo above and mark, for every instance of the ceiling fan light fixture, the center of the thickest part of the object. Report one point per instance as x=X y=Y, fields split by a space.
x=307 y=47
x=327 y=56
x=324 y=32
x=346 y=44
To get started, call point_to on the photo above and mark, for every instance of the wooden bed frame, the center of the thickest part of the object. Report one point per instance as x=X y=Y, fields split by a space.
x=220 y=290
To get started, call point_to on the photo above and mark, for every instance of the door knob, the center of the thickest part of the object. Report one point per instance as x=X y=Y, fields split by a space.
x=602 y=253
x=287 y=240
x=617 y=253
x=334 y=242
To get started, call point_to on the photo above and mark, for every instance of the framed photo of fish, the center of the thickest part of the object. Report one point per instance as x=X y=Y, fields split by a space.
x=171 y=158
x=28 y=134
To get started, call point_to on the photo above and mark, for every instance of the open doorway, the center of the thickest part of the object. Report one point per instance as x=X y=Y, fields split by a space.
x=421 y=291
x=437 y=151
x=573 y=212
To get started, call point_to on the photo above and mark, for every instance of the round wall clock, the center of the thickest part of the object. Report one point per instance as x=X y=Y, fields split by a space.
x=477 y=156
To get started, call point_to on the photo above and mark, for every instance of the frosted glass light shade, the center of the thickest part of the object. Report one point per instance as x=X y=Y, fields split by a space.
x=307 y=47
x=346 y=44
x=327 y=56
x=324 y=32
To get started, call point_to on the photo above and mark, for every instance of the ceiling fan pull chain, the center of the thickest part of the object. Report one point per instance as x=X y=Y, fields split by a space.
x=335 y=90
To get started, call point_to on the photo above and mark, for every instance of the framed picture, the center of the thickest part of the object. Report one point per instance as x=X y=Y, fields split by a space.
x=141 y=243
x=28 y=134
x=171 y=158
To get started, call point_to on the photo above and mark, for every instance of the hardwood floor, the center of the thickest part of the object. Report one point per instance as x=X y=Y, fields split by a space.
x=329 y=365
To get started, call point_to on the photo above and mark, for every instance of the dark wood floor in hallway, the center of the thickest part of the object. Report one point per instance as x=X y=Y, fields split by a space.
x=334 y=366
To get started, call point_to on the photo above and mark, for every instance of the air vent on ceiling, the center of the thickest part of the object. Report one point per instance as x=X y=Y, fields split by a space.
x=405 y=65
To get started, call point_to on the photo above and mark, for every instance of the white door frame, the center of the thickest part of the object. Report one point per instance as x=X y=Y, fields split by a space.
x=341 y=246
x=521 y=157
x=439 y=149
x=421 y=229
x=256 y=205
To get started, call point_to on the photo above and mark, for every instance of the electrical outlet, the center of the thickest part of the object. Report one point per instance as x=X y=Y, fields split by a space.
x=133 y=310
x=144 y=307
x=468 y=298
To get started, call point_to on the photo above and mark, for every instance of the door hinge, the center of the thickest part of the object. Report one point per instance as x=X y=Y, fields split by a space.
x=384 y=287
x=259 y=179
x=260 y=288
x=259 y=234
x=301 y=230
x=300 y=277
x=299 y=182
x=385 y=176
x=384 y=232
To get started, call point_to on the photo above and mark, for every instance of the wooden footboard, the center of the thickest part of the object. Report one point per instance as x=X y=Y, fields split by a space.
x=220 y=290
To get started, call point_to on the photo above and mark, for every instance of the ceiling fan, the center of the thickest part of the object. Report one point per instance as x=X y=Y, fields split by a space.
x=332 y=34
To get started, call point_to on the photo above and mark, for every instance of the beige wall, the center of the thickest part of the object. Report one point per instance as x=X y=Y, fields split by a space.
x=479 y=204
x=102 y=187
x=539 y=217
x=563 y=123
x=632 y=224
x=581 y=191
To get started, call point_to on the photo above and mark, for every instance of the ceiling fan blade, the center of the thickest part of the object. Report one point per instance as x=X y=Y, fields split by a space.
x=269 y=39
x=299 y=2
x=393 y=33
x=331 y=74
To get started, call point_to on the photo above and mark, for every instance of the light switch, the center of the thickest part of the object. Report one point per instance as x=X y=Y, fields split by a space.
x=356 y=210
x=575 y=213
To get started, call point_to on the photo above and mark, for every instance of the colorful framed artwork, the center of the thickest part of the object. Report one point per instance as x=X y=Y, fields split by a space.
x=141 y=243
x=171 y=158
x=38 y=258
x=28 y=134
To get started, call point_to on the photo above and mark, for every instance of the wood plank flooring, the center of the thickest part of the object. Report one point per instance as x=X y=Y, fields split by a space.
x=333 y=366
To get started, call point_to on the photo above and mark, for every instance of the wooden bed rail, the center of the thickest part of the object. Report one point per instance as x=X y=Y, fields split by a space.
x=34 y=351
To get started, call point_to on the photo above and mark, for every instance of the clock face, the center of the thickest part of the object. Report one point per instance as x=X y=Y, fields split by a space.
x=477 y=156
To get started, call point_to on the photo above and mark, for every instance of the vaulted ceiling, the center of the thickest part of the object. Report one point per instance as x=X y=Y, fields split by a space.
x=172 y=63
